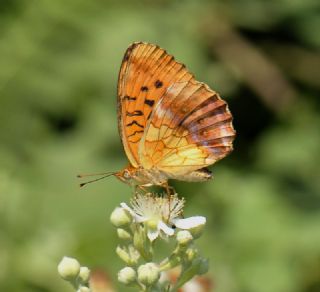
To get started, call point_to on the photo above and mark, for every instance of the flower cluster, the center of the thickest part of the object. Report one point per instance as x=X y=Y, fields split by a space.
x=140 y=225
x=148 y=218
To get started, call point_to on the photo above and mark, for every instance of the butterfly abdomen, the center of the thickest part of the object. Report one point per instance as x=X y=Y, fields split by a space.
x=199 y=175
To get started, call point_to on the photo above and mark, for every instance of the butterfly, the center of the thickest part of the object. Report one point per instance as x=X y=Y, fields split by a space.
x=171 y=125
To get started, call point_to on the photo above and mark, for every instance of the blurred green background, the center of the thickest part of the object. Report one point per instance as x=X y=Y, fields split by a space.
x=59 y=62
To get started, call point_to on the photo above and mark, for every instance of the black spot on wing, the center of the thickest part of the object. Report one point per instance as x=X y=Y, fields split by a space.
x=144 y=88
x=134 y=122
x=158 y=84
x=149 y=102
x=129 y=98
x=134 y=113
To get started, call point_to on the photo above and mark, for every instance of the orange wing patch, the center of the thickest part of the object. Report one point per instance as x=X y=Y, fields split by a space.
x=146 y=73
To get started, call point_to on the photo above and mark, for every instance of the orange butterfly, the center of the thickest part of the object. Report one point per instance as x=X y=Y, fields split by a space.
x=171 y=125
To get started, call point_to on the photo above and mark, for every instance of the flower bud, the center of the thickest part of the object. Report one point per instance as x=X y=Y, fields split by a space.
x=129 y=255
x=127 y=276
x=123 y=254
x=139 y=238
x=148 y=274
x=140 y=243
x=134 y=255
x=123 y=234
x=184 y=237
x=84 y=275
x=69 y=268
x=120 y=217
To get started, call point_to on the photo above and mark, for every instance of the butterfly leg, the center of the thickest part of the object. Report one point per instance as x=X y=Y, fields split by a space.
x=139 y=188
x=169 y=189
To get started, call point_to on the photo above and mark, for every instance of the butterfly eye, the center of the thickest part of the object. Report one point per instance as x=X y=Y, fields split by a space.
x=126 y=174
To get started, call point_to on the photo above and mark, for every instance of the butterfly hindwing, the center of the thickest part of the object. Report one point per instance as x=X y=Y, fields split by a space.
x=190 y=128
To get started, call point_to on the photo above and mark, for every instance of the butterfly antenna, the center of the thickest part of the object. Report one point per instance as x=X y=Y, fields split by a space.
x=107 y=174
x=95 y=174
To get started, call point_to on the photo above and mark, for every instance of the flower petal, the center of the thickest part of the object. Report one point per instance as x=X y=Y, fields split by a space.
x=136 y=217
x=190 y=222
x=167 y=230
x=126 y=207
x=152 y=234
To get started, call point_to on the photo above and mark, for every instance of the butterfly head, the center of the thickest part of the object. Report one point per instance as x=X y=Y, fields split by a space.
x=127 y=174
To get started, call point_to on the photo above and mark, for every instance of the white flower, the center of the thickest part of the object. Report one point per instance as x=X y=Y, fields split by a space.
x=160 y=214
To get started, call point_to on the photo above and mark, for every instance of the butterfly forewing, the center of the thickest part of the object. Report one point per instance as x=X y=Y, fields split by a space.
x=146 y=73
x=167 y=119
